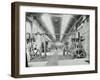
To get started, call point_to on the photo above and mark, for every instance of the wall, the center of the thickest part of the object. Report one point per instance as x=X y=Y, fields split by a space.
x=5 y=41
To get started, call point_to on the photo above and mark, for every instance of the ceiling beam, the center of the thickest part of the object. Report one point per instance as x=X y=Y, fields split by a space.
x=42 y=26
x=70 y=26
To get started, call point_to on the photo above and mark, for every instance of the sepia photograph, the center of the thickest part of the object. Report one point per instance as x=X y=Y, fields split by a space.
x=56 y=39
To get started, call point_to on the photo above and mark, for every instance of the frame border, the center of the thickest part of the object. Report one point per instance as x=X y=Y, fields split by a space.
x=15 y=38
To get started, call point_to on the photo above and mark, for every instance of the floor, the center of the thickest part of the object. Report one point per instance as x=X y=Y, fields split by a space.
x=55 y=60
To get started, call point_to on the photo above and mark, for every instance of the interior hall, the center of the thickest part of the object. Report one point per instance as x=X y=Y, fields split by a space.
x=56 y=39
